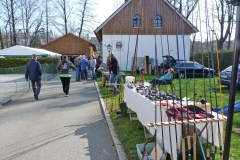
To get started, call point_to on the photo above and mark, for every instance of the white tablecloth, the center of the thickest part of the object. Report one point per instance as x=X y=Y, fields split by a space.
x=145 y=110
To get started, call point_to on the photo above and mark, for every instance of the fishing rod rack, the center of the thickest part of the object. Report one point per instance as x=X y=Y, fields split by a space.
x=208 y=120
x=148 y=99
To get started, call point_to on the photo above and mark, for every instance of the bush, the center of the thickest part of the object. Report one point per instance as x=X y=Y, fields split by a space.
x=225 y=59
x=16 y=62
x=18 y=65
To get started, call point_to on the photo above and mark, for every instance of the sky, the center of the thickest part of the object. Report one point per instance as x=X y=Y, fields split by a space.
x=105 y=8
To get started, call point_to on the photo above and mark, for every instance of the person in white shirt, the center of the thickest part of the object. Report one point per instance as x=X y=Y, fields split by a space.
x=93 y=67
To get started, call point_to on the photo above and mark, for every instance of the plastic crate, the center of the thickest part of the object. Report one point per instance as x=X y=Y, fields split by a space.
x=149 y=148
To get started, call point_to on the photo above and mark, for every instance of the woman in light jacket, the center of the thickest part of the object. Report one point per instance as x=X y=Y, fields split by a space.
x=93 y=67
x=64 y=68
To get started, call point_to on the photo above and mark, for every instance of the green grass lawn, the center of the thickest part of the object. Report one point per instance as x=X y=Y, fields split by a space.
x=128 y=132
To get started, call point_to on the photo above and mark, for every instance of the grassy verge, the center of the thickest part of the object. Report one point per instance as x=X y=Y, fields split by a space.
x=130 y=134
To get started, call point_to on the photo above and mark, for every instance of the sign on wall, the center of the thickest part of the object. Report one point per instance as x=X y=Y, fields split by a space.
x=119 y=45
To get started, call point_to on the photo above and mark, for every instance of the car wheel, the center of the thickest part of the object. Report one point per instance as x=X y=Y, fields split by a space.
x=181 y=75
x=209 y=75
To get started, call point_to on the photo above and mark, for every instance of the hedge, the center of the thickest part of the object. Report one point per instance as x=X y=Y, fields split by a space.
x=225 y=59
x=16 y=62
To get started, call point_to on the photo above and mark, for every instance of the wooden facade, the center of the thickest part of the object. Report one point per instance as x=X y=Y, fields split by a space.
x=71 y=44
x=121 y=22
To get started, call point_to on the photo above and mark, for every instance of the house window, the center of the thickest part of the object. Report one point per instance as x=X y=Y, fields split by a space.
x=157 y=21
x=137 y=21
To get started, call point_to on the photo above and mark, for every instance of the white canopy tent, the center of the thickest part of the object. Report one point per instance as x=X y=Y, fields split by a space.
x=22 y=51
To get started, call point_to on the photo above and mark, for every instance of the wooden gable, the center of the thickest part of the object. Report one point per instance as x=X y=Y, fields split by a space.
x=70 y=44
x=121 y=21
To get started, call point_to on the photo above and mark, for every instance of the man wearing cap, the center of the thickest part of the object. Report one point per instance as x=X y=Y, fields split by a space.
x=165 y=79
x=34 y=73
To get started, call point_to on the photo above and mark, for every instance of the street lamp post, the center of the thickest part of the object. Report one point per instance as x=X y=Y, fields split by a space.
x=109 y=48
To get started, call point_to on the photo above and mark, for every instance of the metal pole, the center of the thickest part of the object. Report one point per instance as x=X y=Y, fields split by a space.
x=232 y=88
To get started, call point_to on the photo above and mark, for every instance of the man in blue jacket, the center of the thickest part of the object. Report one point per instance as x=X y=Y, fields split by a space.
x=83 y=63
x=34 y=73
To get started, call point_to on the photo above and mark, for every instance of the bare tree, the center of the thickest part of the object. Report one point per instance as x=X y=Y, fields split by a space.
x=189 y=7
x=13 y=20
x=1 y=39
x=30 y=11
x=186 y=7
x=60 y=21
x=34 y=41
x=229 y=37
x=7 y=15
x=225 y=17
x=84 y=11
x=117 y=4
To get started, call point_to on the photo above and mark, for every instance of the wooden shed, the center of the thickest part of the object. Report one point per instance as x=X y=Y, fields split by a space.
x=71 y=44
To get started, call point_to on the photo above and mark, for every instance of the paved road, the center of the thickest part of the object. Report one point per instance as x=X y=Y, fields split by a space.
x=12 y=84
x=56 y=127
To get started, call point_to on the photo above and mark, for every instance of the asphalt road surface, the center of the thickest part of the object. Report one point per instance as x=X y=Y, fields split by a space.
x=56 y=127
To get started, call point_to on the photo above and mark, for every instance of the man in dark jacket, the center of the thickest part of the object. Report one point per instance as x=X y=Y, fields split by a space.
x=34 y=73
x=113 y=69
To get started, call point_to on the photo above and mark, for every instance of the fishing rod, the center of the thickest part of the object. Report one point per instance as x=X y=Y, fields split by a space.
x=209 y=76
x=219 y=134
x=204 y=89
x=233 y=81
x=194 y=100
x=204 y=86
x=179 y=80
x=167 y=104
x=156 y=57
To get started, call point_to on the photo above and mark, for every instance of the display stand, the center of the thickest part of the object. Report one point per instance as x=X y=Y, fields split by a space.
x=198 y=135
x=146 y=65
x=132 y=118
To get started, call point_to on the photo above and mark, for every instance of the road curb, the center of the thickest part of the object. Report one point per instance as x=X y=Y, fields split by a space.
x=117 y=143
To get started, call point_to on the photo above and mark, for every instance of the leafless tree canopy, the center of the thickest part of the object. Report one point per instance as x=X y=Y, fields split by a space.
x=25 y=21
x=84 y=12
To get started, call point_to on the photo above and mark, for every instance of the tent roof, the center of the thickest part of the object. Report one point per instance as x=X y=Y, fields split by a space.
x=26 y=51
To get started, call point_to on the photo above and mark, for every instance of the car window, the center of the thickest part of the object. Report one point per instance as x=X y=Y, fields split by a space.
x=189 y=65
x=196 y=65
x=229 y=69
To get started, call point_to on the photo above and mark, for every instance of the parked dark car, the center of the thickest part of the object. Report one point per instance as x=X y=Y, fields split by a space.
x=192 y=68
x=169 y=61
x=226 y=74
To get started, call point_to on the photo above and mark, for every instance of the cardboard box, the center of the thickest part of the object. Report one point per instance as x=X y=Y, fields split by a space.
x=207 y=108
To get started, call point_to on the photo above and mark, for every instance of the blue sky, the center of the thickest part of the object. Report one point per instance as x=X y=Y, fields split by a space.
x=106 y=7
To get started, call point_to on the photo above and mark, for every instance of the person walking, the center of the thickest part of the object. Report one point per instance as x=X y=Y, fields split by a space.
x=80 y=71
x=113 y=69
x=98 y=63
x=93 y=67
x=64 y=68
x=34 y=73
x=84 y=67
x=76 y=61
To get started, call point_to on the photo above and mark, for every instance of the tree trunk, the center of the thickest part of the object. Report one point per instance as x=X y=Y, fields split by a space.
x=1 y=39
x=13 y=24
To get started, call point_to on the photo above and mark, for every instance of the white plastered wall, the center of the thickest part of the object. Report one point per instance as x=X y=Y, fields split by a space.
x=146 y=46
